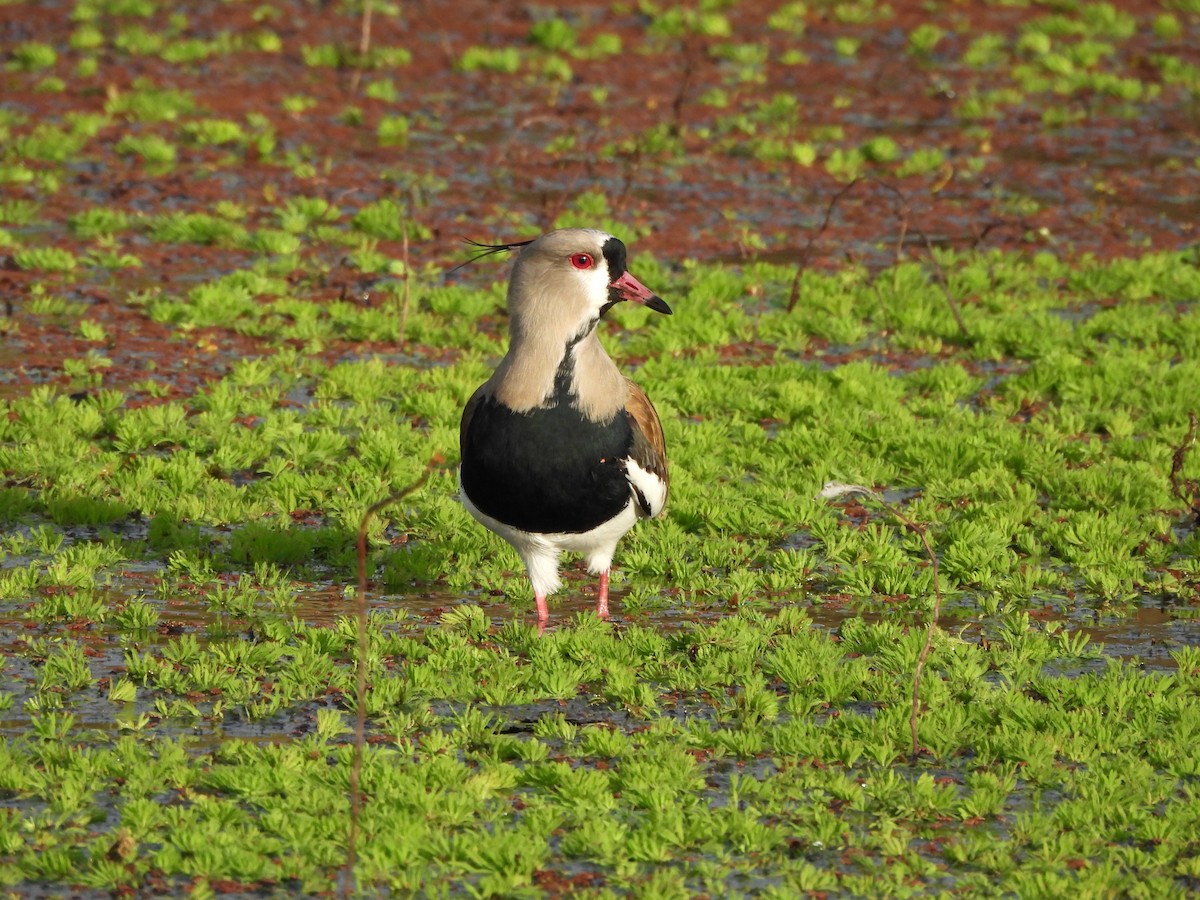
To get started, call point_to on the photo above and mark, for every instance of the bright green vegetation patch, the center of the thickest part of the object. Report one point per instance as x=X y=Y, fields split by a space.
x=758 y=753
x=1038 y=447
x=178 y=524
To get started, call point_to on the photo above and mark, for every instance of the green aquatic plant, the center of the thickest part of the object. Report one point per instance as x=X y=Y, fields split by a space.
x=215 y=132
x=46 y=259
x=32 y=56
x=152 y=148
x=179 y=540
x=503 y=60
x=393 y=131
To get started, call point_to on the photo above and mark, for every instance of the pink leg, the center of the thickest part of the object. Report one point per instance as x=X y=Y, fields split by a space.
x=543 y=612
x=602 y=600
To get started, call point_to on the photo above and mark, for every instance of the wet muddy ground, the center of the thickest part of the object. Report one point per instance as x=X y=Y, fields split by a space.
x=728 y=140
x=834 y=136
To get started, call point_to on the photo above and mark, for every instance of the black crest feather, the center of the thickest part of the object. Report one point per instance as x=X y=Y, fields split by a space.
x=489 y=249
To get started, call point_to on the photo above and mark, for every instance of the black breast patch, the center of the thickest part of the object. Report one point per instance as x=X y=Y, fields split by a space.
x=548 y=470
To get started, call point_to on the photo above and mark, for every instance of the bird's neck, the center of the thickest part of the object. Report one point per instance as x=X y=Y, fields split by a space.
x=538 y=374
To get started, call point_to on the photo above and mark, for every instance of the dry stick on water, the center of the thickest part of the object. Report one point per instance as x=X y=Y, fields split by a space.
x=364 y=45
x=834 y=489
x=802 y=265
x=940 y=273
x=997 y=225
x=1185 y=490
x=407 y=288
x=360 y=671
x=685 y=82
x=902 y=212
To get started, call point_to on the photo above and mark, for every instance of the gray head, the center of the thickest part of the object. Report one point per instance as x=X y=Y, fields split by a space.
x=563 y=282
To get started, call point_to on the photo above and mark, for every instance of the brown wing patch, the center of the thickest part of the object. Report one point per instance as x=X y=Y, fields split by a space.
x=649 y=449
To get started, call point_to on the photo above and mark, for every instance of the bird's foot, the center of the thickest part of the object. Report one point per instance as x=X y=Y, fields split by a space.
x=543 y=612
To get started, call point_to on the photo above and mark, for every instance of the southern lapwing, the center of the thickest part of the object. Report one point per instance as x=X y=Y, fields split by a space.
x=560 y=451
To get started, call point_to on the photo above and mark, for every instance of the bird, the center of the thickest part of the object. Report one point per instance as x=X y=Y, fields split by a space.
x=559 y=451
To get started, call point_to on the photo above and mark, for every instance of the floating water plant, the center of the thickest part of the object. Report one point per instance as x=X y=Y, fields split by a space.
x=231 y=329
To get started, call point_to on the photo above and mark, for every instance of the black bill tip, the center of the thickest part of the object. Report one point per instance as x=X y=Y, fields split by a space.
x=658 y=304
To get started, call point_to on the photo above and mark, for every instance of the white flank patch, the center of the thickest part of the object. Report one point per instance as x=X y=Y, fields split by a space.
x=653 y=488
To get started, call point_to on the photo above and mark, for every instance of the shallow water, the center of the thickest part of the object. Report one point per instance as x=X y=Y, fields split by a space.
x=1144 y=637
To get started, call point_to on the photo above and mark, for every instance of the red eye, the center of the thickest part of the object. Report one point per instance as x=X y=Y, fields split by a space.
x=582 y=260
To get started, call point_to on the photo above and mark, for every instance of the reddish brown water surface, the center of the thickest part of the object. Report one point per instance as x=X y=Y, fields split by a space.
x=731 y=138
x=716 y=138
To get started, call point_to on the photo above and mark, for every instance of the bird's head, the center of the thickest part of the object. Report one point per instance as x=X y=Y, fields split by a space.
x=564 y=281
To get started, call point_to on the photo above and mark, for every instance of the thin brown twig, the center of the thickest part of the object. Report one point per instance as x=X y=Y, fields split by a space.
x=684 y=83
x=834 y=489
x=802 y=263
x=360 y=671
x=934 y=615
x=940 y=273
x=631 y=167
x=900 y=246
x=407 y=288
x=996 y=225
x=554 y=203
x=364 y=45
x=902 y=212
x=1185 y=490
